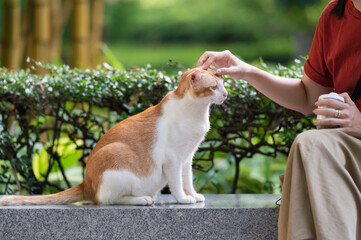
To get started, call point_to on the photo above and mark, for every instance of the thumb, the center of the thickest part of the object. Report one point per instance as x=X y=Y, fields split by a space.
x=232 y=72
x=347 y=98
x=224 y=71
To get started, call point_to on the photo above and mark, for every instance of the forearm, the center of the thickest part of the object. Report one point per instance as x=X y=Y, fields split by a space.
x=288 y=92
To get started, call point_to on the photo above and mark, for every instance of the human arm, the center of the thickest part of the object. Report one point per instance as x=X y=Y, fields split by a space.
x=296 y=94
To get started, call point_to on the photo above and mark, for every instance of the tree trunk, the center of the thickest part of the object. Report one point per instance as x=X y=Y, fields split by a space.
x=81 y=34
x=26 y=35
x=11 y=35
x=60 y=14
x=97 y=30
x=41 y=39
x=56 y=20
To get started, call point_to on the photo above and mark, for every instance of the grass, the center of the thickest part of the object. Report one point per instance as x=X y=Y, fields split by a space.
x=187 y=54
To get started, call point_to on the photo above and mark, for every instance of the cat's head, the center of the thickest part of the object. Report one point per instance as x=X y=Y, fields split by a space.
x=204 y=85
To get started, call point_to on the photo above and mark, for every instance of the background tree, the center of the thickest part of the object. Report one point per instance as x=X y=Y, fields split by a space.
x=97 y=25
x=60 y=12
x=81 y=33
x=11 y=36
x=39 y=31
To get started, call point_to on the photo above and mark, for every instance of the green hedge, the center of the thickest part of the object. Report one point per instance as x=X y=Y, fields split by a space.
x=50 y=123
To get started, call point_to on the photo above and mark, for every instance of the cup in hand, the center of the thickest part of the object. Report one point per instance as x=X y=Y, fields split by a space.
x=331 y=95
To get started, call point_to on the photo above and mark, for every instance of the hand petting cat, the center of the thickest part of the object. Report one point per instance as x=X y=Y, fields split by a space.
x=225 y=62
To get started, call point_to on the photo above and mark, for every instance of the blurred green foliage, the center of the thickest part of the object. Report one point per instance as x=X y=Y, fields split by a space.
x=139 y=32
x=187 y=54
x=208 y=20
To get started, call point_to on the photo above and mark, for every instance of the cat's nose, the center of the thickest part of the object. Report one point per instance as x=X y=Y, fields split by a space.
x=225 y=94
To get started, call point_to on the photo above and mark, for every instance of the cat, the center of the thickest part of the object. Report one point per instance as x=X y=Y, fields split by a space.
x=137 y=157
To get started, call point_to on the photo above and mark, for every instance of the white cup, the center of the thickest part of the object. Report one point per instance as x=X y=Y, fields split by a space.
x=331 y=95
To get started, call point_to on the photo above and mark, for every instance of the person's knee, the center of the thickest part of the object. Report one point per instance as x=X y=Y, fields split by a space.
x=307 y=138
x=312 y=144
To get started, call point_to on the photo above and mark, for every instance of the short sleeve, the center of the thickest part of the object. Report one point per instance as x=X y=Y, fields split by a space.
x=315 y=67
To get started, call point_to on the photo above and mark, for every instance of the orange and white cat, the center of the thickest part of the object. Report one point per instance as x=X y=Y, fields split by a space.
x=137 y=157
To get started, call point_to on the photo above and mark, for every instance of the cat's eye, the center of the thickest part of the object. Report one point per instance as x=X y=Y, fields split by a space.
x=215 y=87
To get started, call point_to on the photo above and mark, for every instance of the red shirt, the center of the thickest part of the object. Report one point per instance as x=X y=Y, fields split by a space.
x=335 y=56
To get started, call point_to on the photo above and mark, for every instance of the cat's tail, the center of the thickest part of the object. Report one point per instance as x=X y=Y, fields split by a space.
x=71 y=195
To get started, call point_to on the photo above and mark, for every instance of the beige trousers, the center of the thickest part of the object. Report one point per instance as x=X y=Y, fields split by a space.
x=321 y=194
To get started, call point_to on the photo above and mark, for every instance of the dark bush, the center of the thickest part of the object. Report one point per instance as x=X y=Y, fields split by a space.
x=49 y=123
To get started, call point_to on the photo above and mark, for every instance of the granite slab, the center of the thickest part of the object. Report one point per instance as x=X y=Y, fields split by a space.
x=239 y=216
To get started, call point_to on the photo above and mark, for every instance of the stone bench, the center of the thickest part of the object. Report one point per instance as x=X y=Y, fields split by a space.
x=240 y=216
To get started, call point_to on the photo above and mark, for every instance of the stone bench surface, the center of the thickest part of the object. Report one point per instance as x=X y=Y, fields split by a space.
x=224 y=216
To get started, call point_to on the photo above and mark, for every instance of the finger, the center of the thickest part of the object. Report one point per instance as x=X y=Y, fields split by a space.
x=202 y=59
x=224 y=71
x=329 y=112
x=331 y=103
x=333 y=122
x=208 y=62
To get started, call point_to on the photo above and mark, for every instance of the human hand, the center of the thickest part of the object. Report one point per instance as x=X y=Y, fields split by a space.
x=225 y=62
x=348 y=119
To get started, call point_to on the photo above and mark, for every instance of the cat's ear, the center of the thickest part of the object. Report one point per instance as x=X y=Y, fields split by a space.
x=195 y=78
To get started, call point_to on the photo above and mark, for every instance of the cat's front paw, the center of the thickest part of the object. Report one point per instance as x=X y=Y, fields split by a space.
x=199 y=197
x=142 y=201
x=186 y=200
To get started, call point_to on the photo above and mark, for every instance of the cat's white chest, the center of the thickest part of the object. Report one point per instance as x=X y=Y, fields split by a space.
x=180 y=134
x=186 y=131
x=179 y=131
